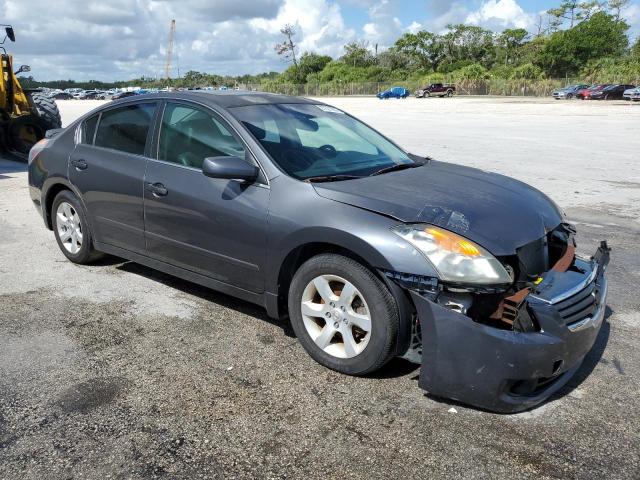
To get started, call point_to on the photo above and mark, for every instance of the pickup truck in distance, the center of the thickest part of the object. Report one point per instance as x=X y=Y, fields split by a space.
x=436 y=90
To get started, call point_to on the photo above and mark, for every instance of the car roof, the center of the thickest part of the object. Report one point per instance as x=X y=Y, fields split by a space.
x=224 y=99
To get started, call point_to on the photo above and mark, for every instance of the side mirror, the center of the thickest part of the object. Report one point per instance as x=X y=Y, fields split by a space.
x=23 y=68
x=232 y=168
x=10 y=34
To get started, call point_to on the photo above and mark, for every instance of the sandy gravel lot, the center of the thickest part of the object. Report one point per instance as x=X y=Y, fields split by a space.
x=117 y=371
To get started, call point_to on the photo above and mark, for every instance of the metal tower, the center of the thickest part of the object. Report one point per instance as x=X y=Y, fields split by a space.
x=167 y=65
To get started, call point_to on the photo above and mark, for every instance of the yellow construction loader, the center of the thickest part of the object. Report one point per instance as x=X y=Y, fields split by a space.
x=25 y=115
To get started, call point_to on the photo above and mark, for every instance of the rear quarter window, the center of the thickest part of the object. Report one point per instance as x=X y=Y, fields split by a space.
x=125 y=128
x=89 y=129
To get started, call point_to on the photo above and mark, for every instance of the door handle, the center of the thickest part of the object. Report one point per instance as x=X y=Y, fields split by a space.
x=158 y=189
x=79 y=164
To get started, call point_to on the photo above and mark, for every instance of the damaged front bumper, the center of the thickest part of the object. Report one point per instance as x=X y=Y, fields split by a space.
x=509 y=371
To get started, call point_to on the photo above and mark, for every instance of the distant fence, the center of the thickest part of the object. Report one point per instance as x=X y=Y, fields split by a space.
x=494 y=86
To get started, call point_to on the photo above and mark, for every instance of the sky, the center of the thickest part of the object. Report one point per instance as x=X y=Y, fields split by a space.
x=124 y=39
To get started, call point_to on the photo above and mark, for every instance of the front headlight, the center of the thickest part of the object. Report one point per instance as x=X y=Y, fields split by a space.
x=455 y=258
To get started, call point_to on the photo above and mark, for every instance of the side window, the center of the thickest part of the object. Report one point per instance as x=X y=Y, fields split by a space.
x=188 y=135
x=89 y=129
x=125 y=128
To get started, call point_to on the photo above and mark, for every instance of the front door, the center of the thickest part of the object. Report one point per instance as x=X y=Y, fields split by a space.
x=108 y=166
x=214 y=227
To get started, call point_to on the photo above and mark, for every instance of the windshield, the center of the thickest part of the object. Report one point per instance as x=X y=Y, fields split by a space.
x=309 y=141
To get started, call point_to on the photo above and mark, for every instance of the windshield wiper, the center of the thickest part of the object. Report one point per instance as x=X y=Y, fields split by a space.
x=395 y=168
x=330 y=178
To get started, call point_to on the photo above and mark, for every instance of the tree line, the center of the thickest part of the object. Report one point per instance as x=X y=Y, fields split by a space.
x=576 y=39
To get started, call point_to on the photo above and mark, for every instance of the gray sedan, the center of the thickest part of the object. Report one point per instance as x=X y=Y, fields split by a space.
x=371 y=252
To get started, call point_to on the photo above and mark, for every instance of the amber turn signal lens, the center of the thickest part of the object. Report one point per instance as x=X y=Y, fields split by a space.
x=452 y=242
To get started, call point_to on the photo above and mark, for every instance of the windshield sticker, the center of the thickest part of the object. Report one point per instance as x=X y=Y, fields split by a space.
x=327 y=108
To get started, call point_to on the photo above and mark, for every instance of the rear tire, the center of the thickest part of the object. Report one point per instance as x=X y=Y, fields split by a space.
x=354 y=333
x=71 y=229
x=569 y=96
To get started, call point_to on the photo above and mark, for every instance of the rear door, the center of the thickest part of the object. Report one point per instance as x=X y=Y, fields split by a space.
x=214 y=227
x=108 y=166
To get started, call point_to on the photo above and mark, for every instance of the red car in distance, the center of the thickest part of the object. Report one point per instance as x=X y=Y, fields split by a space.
x=585 y=94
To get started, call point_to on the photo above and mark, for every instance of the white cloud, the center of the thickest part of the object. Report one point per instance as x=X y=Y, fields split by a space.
x=414 y=27
x=120 y=39
x=632 y=15
x=319 y=26
x=492 y=14
x=384 y=27
x=500 y=14
x=445 y=13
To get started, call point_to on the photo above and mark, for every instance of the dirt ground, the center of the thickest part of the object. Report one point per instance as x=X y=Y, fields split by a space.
x=117 y=371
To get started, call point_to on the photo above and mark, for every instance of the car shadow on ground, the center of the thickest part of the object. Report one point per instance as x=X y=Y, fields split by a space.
x=190 y=288
x=9 y=165
x=590 y=361
x=397 y=367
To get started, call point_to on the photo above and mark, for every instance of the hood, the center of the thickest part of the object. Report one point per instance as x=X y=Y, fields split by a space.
x=497 y=212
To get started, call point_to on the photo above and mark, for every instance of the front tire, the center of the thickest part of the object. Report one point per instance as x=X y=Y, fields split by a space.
x=343 y=315
x=71 y=229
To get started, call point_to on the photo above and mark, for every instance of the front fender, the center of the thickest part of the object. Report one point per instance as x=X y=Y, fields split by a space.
x=313 y=219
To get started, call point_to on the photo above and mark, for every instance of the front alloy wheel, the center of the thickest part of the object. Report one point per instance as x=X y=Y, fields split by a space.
x=336 y=316
x=344 y=316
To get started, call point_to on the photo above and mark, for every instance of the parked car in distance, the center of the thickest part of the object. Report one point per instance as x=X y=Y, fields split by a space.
x=395 y=92
x=436 y=90
x=612 y=92
x=632 y=94
x=90 y=95
x=120 y=95
x=60 y=95
x=567 y=93
x=73 y=91
x=585 y=93
x=470 y=273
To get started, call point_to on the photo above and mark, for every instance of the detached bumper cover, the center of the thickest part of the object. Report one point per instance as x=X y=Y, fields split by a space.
x=507 y=371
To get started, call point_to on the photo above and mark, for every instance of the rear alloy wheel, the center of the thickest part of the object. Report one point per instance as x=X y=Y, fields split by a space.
x=569 y=96
x=70 y=228
x=343 y=315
